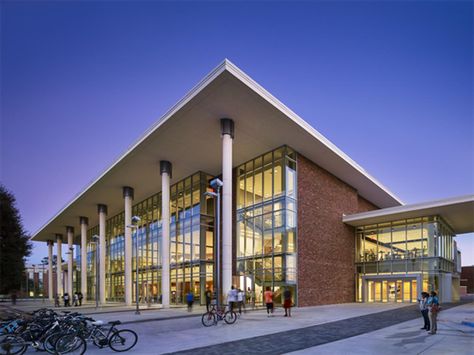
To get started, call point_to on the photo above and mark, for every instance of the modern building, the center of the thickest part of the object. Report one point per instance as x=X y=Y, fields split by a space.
x=296 y=212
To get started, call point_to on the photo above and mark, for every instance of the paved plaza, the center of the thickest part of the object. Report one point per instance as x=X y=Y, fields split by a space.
x=334 y=329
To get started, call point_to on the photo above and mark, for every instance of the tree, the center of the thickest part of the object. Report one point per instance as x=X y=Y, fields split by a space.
x=15 y=244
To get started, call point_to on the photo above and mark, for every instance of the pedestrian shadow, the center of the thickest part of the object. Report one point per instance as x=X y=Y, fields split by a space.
x=415 y=340
x=404 y=334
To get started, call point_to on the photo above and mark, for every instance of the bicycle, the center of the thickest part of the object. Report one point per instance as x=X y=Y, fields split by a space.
x=117 y=340
x=215 y=315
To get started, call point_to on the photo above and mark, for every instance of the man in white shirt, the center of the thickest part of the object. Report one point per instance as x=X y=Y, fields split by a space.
x=232 y=297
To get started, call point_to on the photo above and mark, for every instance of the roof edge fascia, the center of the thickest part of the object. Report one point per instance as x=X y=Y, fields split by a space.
x=407 y=208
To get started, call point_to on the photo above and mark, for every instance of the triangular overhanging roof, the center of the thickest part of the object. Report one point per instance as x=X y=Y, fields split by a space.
x=261 y=121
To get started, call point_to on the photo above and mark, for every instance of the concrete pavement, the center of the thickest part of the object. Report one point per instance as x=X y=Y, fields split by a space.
x=452 y=337
x=176 y=330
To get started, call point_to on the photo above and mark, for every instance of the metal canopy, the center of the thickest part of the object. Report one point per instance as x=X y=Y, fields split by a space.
x=458 y=212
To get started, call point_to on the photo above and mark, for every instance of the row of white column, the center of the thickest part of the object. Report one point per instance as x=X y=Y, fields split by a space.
x=227 y=134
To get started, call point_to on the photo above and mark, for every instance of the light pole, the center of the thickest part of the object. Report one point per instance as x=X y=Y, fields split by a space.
x=216 y=184
x=95 y=240
x=134 y=225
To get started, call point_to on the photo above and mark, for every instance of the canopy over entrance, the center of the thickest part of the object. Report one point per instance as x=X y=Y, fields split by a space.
x=458 y=212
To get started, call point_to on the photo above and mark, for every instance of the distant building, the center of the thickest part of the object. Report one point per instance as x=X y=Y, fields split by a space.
x=297 y=212
x=467 y=278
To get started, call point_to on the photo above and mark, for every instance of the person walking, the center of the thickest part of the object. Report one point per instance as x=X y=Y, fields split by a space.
x=268 y=296
x=208 y=295
x=424 y=310
x=287 y=302
x=56 y=301
x=190 y=300
x=13 y=298
x=240 y=300
x=232 y=297
x=75 y=299
x=80 y=297
x=433 y=309
x=66 y=299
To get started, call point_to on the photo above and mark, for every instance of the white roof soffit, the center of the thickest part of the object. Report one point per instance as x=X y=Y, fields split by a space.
x=262 y=123
x=458 y=212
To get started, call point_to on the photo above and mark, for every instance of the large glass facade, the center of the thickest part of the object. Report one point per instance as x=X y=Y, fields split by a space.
x=191 y=245
x=412 y=250
x=266 y=224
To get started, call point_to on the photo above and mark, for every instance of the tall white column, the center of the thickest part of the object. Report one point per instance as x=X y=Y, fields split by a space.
x=70 y=256
x=84 y=221
x=227 y=133
x=59 y=265
x=50 y=270
x=102 y=209
x=165 y=171
x=128 y=200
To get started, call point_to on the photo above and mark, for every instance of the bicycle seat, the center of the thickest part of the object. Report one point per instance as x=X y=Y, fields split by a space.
x=115 y=322
x=98 y=322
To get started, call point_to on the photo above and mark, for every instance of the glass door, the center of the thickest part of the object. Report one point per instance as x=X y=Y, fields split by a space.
x=392 y=294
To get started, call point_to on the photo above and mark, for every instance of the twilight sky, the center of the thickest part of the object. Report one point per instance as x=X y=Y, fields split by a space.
x=390 y=83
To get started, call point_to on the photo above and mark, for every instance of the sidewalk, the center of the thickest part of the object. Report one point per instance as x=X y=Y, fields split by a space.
x=174 y=330
x=453 y=337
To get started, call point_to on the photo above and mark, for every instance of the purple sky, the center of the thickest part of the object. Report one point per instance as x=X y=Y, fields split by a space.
x=390 y=83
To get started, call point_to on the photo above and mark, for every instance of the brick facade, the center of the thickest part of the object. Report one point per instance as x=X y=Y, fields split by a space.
x=326 y=246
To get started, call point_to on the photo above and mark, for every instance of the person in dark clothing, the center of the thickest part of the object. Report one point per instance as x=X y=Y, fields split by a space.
x=66 y=300
x=80 y=297
x=190 y=300
x=424 y=310
x=13 y=298
x=208 y=299
x=287 y=302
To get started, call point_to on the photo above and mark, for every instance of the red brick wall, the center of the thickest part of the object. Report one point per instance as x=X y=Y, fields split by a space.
x=326 y=246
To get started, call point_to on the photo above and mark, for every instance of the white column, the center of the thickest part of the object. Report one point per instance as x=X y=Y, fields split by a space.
x=84 y=221
x=165 y=170
x=102 y=209
x=70 y=256
x=128 y=199
x=59 y=265
x=50 y=270
x=227 y=132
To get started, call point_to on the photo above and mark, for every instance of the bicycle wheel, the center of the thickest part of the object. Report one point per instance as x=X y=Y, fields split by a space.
x=12 y=345
x=49 y=343
x=208 y=319
x=123 y=340
x=71 y=344
x=230 y=317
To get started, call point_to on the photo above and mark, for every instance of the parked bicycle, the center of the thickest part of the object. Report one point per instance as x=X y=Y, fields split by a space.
x=215 y=315
x=66 y=333
x=100 y=335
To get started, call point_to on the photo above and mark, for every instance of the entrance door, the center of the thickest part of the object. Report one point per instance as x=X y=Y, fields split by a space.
x=392 y=290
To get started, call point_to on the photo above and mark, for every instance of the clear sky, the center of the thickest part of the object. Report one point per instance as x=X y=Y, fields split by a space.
x=390 y=83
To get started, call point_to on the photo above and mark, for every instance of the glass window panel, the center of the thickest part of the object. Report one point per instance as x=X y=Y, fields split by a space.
x=267 y=182
x=291 y=179
x=278 y=172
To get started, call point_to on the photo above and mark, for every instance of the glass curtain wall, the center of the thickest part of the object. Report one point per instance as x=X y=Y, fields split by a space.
x=413 y=246
x=266 y=224
x=91 y=263
x=191 y=246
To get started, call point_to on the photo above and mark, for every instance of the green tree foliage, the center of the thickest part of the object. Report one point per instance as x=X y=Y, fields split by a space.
x=15 y=244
